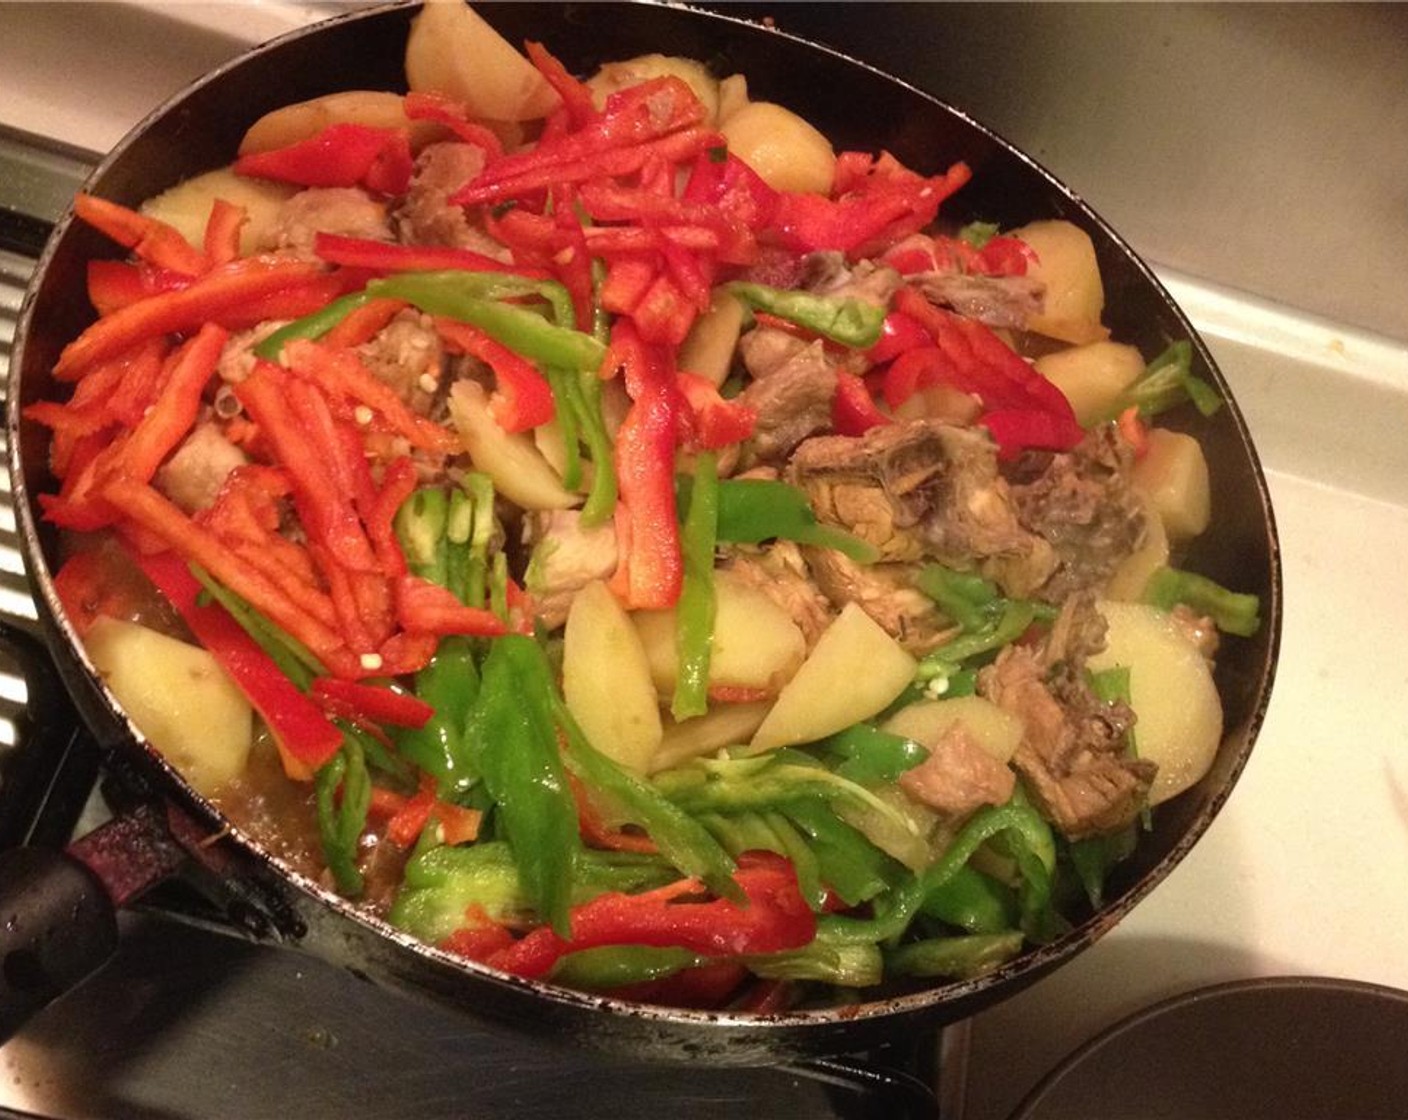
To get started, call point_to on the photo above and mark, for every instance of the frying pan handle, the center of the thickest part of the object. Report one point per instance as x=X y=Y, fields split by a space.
x=57 y=927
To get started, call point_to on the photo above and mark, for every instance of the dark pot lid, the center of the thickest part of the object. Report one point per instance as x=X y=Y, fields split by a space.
x=1285 y=1048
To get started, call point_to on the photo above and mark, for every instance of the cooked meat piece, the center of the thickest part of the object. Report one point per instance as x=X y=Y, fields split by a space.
x=566 y=557
x=780 y=572
x=829 y=274
x=958 y=777
x=1081 y=502
x=999 y=301
x=426 y=217
x=886 y=592
x=408 y=356
x=342 y=210
x=924 y=489
x=192 y=477
x=1072 y=755
x=237 y=359
x=794 y=383
x=1198 y=629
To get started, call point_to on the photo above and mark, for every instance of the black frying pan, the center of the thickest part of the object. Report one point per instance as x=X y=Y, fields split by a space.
x=857 y=107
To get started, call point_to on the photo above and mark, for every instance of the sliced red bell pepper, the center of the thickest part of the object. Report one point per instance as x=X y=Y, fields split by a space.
x=207 y=299
x=116 y=284
x=1135 y=431
x=222 y=231
x=576 y=97
x=421 y=105
x=853 y=412
x=775 y=919
x=295 y=720
x=899 y=333
x=596 y=833
x=374 y=702
x=425 y=607
x=627 y=281
x=383 y=256
x=364 y=323
x=717 y=422
x=522 y=398
x=479 y=937
x=398 y=483
x=341 y=155
x=734 y=188
x=154 y=241
x=664 y=314
x=645 y=472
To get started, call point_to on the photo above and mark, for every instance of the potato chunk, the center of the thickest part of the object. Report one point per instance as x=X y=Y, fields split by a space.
x=519 y=471
x=187 y=206
x=1092 y=376
x=1173 y=477
x=1179 y=712
x=292 y=124
x=997 y=731
x=1066 y=265
x=854 y=670
x=780 y=146
x=606 y=680
x=614 y=76
x=179 y=697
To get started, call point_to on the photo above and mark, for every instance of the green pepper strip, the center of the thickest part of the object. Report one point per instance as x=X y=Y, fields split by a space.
x=295 y=660
x=1093 y=857
x=682 y=840
x=514 y=746
x=441 y=881
x=614 y=966
x=312 y=326
x=851 y=322
x=568 y=423
x=1167 y=381
x=583 y=396
x=450 y=684
x=895 y=911
x=973 y=902
x=1232 y=612
x=420 y=530
x=473 y=297
x=870 y=756
x=826 y=960
x=694 y=614
x=847 y=862
x=752 y=510
x=962 y=957
x=341 y=818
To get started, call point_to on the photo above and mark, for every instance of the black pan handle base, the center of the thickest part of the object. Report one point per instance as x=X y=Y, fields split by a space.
x=57 y=927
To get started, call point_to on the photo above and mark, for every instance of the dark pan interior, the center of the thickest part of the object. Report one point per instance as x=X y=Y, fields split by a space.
x=858 y=108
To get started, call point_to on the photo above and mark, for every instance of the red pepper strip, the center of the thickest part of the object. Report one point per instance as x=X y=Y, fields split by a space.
x=79 y=504
x=341 y=373
x=899 y=333
x=429 y=608
x=208 y=299
x=573 y=261
x=853 y=412
x=222 y=231
x=149 y=510
x=170 y=418
x=425 y=106
x=717 y=422
x=920 y=368
x=671 y=149
x=633 y=118
x=294 y=419
x=296 y=722
x=117 y=284
x=630 y=239
x=645 y=473
x=406 y=817
x=341 y=155
x=596 y=833
x=155 y=242
x=479 y=938
x=627 y=281
x=382 y=257
x=576 y=98
x=407 y=651
x=90 y=585
x=363 y=323
x=664 y=315
x=374 y=702
x=608 y=202
x=1135 y=431
x=777 y=918
x=397 y=484
x=292 y=303
x=522 y=397
x=738 y=191
x=1004 y=256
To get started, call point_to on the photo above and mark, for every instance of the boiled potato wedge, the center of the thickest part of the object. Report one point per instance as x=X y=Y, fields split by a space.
x=1066 y=265
x=606 y=680
x=708 y=348
x=292 y=124
x=997 y=731
x=733 y=95
x=787 y=152
x=756 y=645
x=852 y=672
x=1179 y=724
x=452 y=50
x=1092 y=376
x=179 y=697
x=1173 y=477
x=614 y=76
x=1132 y=576
x=723 y=725
x=187 y=206
x=519 y=471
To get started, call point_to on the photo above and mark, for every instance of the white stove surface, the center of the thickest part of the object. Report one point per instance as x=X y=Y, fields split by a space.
x=1306 y=870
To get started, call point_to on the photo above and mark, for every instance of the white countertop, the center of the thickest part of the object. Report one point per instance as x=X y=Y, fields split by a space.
x=1306 y=870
